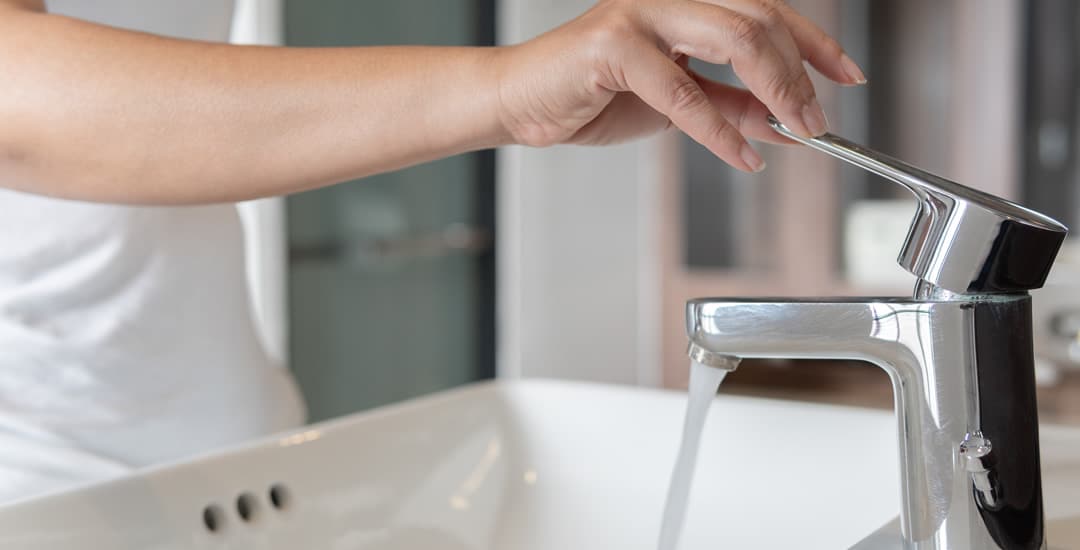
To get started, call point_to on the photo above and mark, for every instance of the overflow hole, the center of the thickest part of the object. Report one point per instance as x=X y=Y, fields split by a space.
x=279 y=496
x=247 y=507
x=213 y=518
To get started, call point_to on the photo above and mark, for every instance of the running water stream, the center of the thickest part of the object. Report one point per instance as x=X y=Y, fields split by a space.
x=704 y=382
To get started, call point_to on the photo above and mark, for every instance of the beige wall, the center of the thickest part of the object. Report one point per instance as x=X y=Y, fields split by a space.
x=577 y=294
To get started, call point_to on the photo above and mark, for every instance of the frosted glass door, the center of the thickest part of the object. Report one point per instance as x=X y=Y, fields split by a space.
x=391 y=277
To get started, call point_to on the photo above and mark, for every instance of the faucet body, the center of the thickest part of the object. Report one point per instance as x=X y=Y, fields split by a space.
x=959 y=355
x=964 y=389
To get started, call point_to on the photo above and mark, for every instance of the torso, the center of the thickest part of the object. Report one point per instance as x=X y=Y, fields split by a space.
x=126 y=331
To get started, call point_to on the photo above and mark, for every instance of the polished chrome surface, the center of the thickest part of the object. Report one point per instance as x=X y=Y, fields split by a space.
x=961 y=239
x=962 y=377
x=959 y=355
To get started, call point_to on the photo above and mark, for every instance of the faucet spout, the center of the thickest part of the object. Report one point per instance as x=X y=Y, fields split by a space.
x=963 y=384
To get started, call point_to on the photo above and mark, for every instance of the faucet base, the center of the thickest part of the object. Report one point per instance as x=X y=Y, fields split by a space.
x=963 y=380
x=889 y=537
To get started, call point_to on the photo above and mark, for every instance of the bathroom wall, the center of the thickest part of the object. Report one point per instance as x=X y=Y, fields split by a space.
x=577 y=288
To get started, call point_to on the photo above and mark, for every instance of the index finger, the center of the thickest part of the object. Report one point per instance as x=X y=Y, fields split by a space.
x=669 y=89
x=720 y=35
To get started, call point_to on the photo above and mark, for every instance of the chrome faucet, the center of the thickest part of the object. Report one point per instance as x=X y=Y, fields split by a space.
x=959 y=355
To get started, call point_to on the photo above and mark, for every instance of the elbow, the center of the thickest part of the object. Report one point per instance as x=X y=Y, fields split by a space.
x=12 y=158
x=13 y=155
x=17 y=165
x=15 y=175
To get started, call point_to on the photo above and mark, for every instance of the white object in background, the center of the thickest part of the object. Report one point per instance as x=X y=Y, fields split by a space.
x=259 y=22
x=1055 y=311
x=576 y=246
x=874 y=230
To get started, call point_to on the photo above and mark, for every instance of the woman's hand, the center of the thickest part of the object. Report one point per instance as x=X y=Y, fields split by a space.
x=620 y=71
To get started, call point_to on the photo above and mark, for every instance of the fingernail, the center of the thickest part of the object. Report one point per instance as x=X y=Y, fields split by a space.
x=813 y=117
x=752 y=158
x=853 y=71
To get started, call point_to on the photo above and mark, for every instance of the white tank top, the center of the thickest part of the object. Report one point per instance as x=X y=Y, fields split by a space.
x=126 y=336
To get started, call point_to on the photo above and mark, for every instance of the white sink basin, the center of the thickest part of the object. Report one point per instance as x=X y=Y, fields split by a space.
x=525 y=465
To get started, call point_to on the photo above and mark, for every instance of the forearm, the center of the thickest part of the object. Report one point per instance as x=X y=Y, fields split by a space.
x=102 y=114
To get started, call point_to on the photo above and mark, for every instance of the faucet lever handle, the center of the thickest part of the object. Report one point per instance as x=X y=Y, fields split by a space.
x=962 y=239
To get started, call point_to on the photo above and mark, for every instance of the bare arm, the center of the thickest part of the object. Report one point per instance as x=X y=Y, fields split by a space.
x=95 y=113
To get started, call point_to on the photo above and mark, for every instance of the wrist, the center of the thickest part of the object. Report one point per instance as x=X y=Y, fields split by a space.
x=514 y=89
x=495 y=64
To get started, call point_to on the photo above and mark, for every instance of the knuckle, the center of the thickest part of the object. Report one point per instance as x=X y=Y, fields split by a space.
x=686 y=95
x=613 y=34
x=726 y=137
x=781 y=6
x=771 y=16
x=791 y=87
x=748 y=33
x=610 y=24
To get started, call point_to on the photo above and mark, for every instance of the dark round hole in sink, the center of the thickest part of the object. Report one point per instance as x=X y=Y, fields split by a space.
x=213 y=518
x=247 y=507
x=279 y=496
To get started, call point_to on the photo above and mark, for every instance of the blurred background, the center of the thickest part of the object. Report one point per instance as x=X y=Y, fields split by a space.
x=575 y=262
